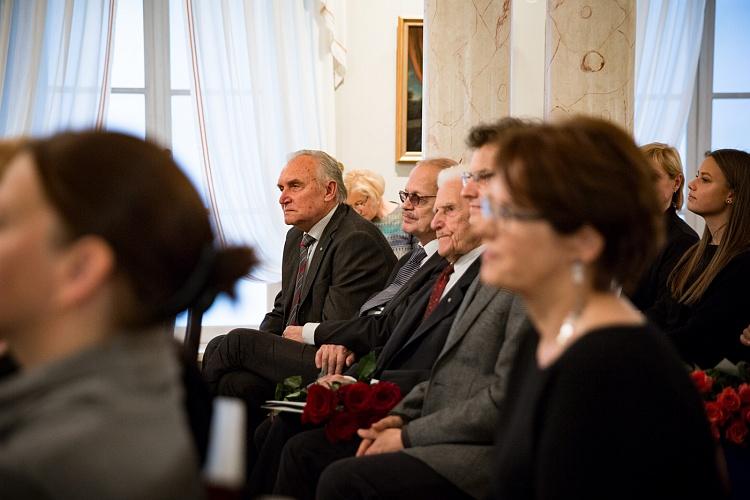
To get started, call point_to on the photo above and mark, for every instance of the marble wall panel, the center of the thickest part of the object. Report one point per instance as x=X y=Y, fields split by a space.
x=467 y=54
x=590 y=59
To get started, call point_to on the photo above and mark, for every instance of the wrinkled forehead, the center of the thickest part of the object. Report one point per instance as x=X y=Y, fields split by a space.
x=303 y=168
x=423 y=180
x=449 y=194
x=483 y=158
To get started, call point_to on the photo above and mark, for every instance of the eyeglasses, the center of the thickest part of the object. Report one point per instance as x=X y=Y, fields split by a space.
x=414 y=198
x=361 y=203
x=505 y=213
x=480 y=178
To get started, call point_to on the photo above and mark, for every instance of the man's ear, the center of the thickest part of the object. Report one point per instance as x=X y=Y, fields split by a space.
x=332 y=190
x=87 y=265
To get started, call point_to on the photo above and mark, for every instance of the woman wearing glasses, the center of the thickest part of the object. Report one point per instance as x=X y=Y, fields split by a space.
x=599 y=404
x=366 y=189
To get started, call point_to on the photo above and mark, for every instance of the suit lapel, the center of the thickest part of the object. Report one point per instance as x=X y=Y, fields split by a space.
x=289 y=268
x=321 y=249
x=466 y=318
x=447 y=306
x=434 y=264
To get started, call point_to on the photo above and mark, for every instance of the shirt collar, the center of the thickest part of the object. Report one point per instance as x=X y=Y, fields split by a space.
x=317 y=230
x=466 y=260
x=430 y=248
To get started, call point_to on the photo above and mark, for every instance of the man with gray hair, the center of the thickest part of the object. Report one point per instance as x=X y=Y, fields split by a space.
x=333 y=261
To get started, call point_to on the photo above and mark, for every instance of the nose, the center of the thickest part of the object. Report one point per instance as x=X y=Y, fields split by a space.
x=691 y=185
x=283 y=198
x=469 y=190
x=437 y=222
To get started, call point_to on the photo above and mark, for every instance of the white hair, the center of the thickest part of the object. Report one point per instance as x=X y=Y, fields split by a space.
x=449 y=174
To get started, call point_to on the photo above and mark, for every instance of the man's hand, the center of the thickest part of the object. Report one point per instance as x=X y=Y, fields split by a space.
x=293 y=333
x=370 y=435
x=328 y=380
x=332 y=359
x=745 y=337
x=387 y=441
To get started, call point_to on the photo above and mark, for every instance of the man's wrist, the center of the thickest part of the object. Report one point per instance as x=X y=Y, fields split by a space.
x=308 y=333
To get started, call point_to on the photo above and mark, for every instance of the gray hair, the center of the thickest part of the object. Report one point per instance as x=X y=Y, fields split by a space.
x=449 y=174
x=329 y=169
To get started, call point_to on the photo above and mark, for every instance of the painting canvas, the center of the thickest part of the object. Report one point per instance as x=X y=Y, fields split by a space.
x=409 y=73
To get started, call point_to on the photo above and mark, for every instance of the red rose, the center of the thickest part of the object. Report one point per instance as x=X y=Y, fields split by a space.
x=702 y=381
x=743 y=391
x=321 y=402
x=355 y=396
x=737 y=431
x=745 y=413
x=341 y=427
x=728 y=399
x=715 y=413
x=384 y=396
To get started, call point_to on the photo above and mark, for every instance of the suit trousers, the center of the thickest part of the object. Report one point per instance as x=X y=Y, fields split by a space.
x=310 y=463
x=247 y=364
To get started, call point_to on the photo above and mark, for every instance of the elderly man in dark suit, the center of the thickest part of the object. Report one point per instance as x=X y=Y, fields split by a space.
x=333 y=261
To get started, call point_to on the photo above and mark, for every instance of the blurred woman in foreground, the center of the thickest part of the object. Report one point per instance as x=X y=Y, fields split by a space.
x=102 y=240
x=599 y=404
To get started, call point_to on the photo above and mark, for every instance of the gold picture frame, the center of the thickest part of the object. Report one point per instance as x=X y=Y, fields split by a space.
x=409 y=73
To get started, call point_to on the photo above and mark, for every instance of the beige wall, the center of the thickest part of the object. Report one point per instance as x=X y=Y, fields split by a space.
x=366 y=101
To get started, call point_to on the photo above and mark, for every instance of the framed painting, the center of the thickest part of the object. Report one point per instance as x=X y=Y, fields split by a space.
x=409 y=90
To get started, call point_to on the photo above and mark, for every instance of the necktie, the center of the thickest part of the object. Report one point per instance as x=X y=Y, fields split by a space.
x=402 y=276
x=307 y=240
x=437 y=290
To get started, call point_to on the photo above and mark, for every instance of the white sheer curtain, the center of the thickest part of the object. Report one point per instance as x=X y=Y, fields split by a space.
x=668 y=41
x=54 y=59
x=263 y=80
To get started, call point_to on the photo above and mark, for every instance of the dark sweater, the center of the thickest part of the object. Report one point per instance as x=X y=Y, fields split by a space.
x=616 y=416
x=708 y=331
x=653 y=284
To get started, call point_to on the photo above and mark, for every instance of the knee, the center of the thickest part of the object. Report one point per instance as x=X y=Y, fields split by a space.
x=213 y=344
x=336 y=481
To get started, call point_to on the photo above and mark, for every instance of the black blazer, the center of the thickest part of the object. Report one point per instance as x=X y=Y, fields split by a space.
x=352 y=261
x=413 y=345
x=366 y=333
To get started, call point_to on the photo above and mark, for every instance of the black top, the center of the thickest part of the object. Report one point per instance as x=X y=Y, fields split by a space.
x=615 y=416
x=709 y=330
x=653 y=284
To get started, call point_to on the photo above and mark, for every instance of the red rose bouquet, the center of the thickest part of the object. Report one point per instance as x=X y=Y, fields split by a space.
x=346 y=408
x=727 y=402
x=342 y=408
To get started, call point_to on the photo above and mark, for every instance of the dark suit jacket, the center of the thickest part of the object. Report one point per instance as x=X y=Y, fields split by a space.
x=351 y=262
x=413 y=345
x=366 y=333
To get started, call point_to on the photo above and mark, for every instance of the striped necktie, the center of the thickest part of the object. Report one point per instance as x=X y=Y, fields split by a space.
x=402 y=276
x=307 y=240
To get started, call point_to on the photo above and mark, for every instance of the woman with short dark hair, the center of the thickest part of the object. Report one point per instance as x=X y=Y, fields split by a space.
x=599 y=404
x=102 y=240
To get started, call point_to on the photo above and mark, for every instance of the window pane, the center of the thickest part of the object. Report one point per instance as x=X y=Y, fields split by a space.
x=179 y=50
x=730 y=123
x=732 y=46
x=186 y=144
x=127 y=59
x=248 y=310
x=127 y=113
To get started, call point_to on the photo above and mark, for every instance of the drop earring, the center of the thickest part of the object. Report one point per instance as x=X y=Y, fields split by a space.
x=568 y=326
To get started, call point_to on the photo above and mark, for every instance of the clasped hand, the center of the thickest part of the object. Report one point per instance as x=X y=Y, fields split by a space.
x=384 y=436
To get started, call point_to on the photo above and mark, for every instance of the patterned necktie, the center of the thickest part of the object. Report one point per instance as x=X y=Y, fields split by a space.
x=437 y=290
x=402 y=276
x=307 y=240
